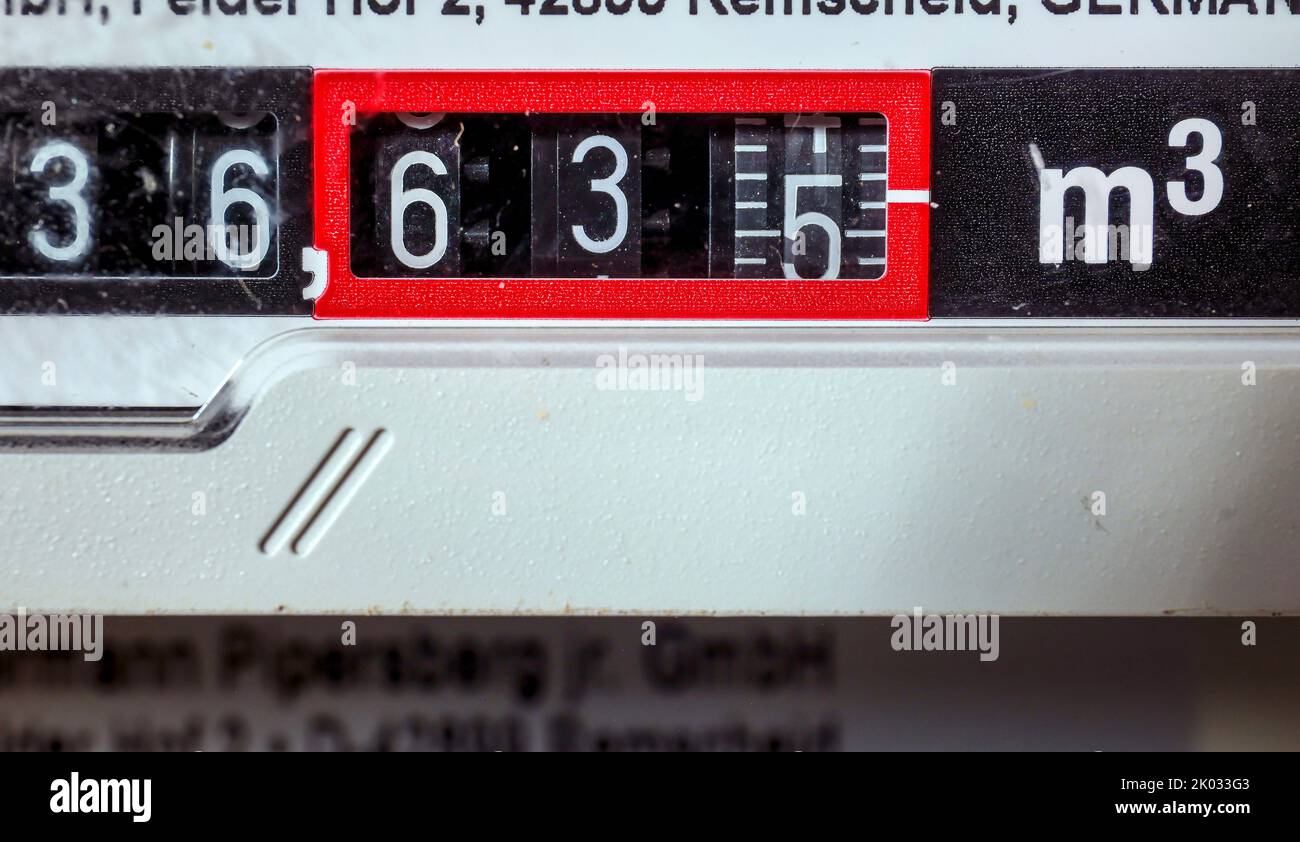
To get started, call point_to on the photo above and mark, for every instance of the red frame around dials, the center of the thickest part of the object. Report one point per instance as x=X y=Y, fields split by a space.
x=902 y=96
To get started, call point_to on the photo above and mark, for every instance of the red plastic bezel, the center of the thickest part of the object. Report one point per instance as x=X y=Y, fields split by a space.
x=902 y=96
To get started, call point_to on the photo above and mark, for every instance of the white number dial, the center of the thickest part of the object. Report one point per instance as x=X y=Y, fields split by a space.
x=69 y=194
x=795 y=222
x=403 y=199
x=608 y=186
x=223 y=200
